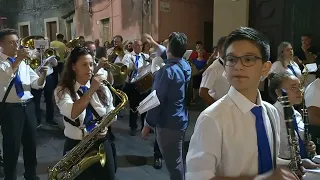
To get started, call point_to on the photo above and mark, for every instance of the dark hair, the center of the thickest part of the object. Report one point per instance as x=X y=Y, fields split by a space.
x=252 y=35
x=7 y=32
x=60 y=36
x=306 y=35
x=178 y=44
x=144 y=46
x=199 y=42
x=118 y=36
x=276 y=80
x=68 y=78
x=81 y=37
x=221 y=42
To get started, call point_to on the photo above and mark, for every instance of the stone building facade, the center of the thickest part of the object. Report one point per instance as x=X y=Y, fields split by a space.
x=39 y=17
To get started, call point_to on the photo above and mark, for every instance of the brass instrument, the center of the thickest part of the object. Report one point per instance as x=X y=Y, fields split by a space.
x=76 y=42
x=117 y=51
x=305 y=117
x=295 y=158
x=28 y=42
x=79 y=159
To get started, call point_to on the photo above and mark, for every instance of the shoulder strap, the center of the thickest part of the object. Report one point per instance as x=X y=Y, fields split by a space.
x=274 y=158
x=90 y=106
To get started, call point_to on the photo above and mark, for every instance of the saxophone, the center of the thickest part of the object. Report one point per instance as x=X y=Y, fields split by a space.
x=79 y=159
x=295 y=158
x=304 y=110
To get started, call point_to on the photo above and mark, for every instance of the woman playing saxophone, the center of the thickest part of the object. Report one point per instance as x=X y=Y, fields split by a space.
x=82 y=100
x=291 y=84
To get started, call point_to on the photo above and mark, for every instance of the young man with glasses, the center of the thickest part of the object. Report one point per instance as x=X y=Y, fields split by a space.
x=237 y=137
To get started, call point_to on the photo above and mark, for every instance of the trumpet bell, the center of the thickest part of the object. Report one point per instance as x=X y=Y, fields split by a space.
x=28 y=42
x=120 y=73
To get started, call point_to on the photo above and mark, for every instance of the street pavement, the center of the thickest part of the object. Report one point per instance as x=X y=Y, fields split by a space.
x=135 y=155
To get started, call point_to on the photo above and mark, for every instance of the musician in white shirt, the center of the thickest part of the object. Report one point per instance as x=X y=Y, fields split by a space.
x=117 y=42
x=74 y=96
x=48 y=89
x=291 y=84
x=214 y=85
x=135 y=61
x=312 y=96
x=233 y=132
x=285 y=61
x=17 y=117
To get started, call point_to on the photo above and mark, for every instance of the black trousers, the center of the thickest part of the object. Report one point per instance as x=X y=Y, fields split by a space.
x=134 y=99
x=96 y=171
x=156 y=150
x=19 y=126
x=48 y=95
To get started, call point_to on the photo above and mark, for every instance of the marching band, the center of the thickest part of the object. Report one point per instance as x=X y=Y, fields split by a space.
x=238 y=136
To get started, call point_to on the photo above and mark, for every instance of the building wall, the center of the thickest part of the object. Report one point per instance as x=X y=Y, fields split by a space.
x=35 y=11
x=130 y=18
x=225 y=21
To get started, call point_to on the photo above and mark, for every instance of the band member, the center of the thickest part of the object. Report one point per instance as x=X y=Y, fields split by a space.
x=101 y=51
x=213 y=84
x=285 y=61
x=170 y=118
x=291 y=84
x=81 y=109
x=311 y=96
x=61 y=48
x=99 y=66
x=239 y=119
x=135 y=61
x=48 y=94
x=117 y=42
x=18 y=119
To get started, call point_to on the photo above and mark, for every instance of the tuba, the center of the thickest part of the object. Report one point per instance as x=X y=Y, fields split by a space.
x=79 y=159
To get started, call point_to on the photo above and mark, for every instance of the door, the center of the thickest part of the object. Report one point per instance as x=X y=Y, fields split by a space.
x=24 y=31
x=105 y=30
x=51 y=30
x=268 y=16
x=208 y=36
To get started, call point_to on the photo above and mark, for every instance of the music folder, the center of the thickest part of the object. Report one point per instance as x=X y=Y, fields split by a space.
x=150 y=102
x=312 y=67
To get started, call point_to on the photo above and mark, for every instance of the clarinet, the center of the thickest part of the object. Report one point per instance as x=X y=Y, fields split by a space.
x=305 y=117
x=295 y=158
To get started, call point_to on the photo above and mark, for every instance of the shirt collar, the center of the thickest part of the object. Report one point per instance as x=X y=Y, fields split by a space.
x=3 y=56
x=176 y=60
x=241 y=101
x=134 y=54
x=78 y=85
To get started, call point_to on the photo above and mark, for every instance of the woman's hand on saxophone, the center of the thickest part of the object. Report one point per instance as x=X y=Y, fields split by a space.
x=283 y=174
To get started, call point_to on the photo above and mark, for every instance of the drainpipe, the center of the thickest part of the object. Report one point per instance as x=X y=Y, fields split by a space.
x=111 y=18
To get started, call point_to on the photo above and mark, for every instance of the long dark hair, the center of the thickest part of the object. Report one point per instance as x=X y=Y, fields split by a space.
x=68 y=78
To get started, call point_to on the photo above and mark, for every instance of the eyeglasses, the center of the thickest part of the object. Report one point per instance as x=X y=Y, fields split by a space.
x=247 y=60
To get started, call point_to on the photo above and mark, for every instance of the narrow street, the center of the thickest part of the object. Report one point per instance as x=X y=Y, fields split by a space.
x=135 y=155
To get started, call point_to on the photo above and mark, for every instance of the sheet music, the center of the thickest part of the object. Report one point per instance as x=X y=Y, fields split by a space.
x=150 y=102
x=187 y=54
x=312 y=67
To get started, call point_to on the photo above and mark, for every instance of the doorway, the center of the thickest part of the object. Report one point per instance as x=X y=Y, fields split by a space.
x=208 y=36
x=24 y=29
x=51 y=30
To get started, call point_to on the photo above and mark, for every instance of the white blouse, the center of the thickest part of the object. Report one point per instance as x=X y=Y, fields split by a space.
x=65 y=104
x=278 y=68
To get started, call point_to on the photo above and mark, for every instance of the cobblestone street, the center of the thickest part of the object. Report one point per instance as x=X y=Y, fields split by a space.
x=135 y=155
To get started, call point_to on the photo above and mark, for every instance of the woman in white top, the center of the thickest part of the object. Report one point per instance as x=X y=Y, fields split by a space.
x=285 y=61
x=291 y=84
x=75 y=94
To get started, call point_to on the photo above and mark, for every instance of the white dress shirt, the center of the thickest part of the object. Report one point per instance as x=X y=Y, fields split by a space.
x=224 y=142
x=130 y=61
x=213 y=80
x=278 y=68
x=65 y=104
x=52 y=62
x=118 y=58
x=312 y=94
x=29 y=79
x=284 y=152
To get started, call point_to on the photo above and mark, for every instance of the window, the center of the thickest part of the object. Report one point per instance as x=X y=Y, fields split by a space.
x=105 y=30
x=24 y=29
